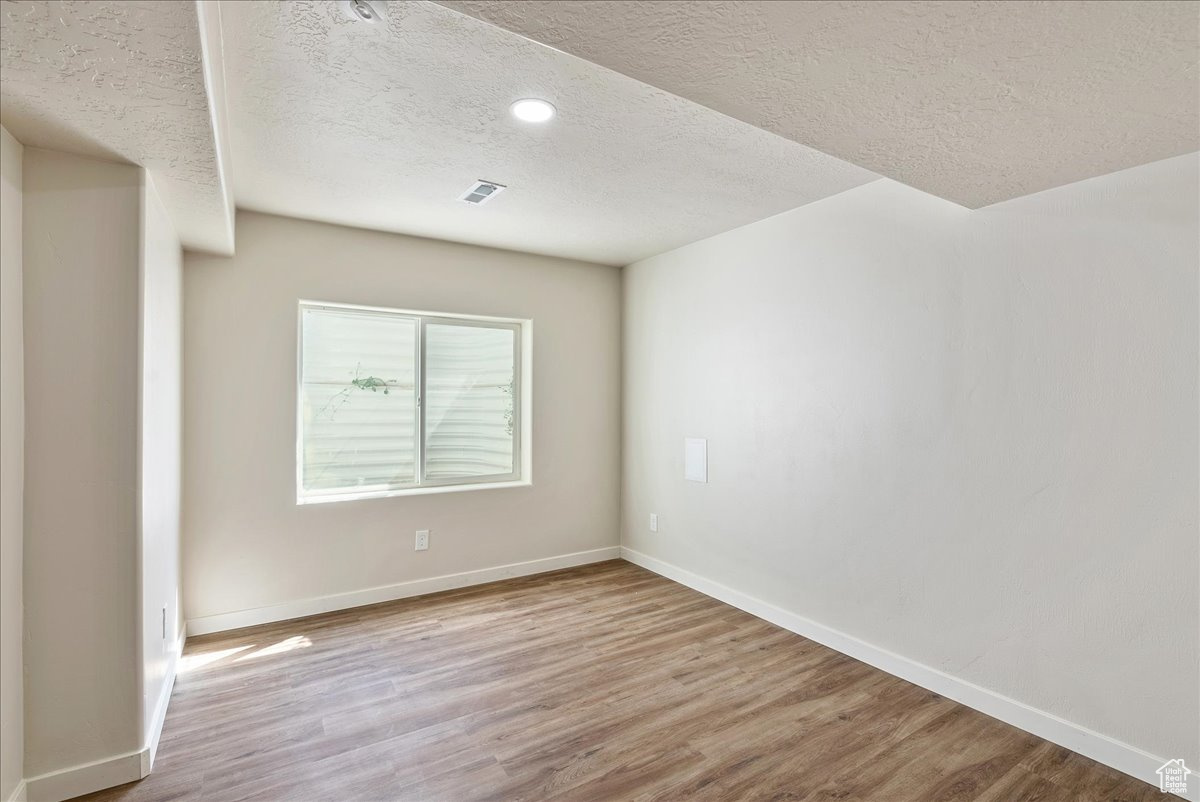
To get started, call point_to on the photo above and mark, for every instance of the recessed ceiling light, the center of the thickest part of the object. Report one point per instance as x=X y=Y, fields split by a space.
x=532 y=110
x=365 y=10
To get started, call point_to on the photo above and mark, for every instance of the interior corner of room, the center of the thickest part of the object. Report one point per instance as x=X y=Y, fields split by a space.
x=599 y=400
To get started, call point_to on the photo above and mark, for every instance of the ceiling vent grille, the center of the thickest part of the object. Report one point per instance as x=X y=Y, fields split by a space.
x=481 y=192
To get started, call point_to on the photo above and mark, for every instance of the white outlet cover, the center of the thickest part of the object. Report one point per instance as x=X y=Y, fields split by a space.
x=422 y=540
x=654 y=522
x=695 y=459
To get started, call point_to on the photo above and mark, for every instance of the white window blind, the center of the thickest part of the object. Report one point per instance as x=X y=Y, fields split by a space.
x=469 y=412
x=393 y=401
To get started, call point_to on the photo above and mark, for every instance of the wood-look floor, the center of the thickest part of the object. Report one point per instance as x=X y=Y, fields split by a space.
x=605 y=682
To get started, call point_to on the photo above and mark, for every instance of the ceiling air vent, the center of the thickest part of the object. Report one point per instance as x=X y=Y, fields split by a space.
x=481 y=192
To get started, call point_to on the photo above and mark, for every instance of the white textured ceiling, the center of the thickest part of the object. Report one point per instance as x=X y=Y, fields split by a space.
x=384 y=127
x=121 y=81
x=976 y=102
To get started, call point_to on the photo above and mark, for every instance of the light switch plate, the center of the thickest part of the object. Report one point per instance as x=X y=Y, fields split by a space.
x=695 y=459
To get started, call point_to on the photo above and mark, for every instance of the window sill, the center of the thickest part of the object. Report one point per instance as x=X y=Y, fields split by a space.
x=413 y=491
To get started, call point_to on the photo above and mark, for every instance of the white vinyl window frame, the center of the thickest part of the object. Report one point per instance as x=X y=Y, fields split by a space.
x=522 y=473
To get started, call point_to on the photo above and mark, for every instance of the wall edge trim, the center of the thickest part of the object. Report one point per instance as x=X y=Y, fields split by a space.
x=300 y=608
x=1123 y=757
x=68 y=783
x=160 y=708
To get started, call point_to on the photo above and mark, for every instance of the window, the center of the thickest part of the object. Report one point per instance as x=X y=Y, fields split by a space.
x=394 y=402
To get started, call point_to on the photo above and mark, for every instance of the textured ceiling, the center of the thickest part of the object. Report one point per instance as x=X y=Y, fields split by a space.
x=121 y=81
x=384 y=127
x=976 y=102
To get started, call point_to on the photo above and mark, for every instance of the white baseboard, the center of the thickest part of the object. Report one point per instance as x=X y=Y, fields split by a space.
x=78 y=780
x=417 y=587
x=57 y=786
x=1101 y=748
x=160 y=708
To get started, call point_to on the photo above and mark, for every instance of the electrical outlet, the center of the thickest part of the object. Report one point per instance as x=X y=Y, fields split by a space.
x=422 y=540
x=654 y=522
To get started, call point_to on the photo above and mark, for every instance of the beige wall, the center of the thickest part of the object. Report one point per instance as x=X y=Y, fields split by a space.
x=81 y=223
x=247 y=544
x=966 y=437
x=160 y=463
x=12 y=469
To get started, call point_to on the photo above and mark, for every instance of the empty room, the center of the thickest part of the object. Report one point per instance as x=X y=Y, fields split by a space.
x=599 y=400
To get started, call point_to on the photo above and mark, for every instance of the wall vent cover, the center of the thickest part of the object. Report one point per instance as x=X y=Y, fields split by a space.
x=481 y=192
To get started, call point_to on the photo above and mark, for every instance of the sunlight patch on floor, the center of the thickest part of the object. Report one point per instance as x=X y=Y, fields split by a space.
x=294 y=642
x=192 y=662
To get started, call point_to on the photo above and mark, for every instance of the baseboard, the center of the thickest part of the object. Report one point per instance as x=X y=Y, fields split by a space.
x=78 y=780
x=160 y=708
x=419 y=587
x=18 y=794
x=1120 y=756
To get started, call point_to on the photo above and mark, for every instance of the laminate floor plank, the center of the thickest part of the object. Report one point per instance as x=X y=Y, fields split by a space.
x=604 y=682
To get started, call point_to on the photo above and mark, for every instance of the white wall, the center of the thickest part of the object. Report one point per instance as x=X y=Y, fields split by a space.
x=247 y=544
x=161 y=463
x=12 y=469
x=967 y=437
x=81 y=224
x=103 y=317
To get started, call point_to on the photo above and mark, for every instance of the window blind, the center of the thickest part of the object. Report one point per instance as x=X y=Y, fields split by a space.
x=391 y=400
x=468 y=401
x=359 y=400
